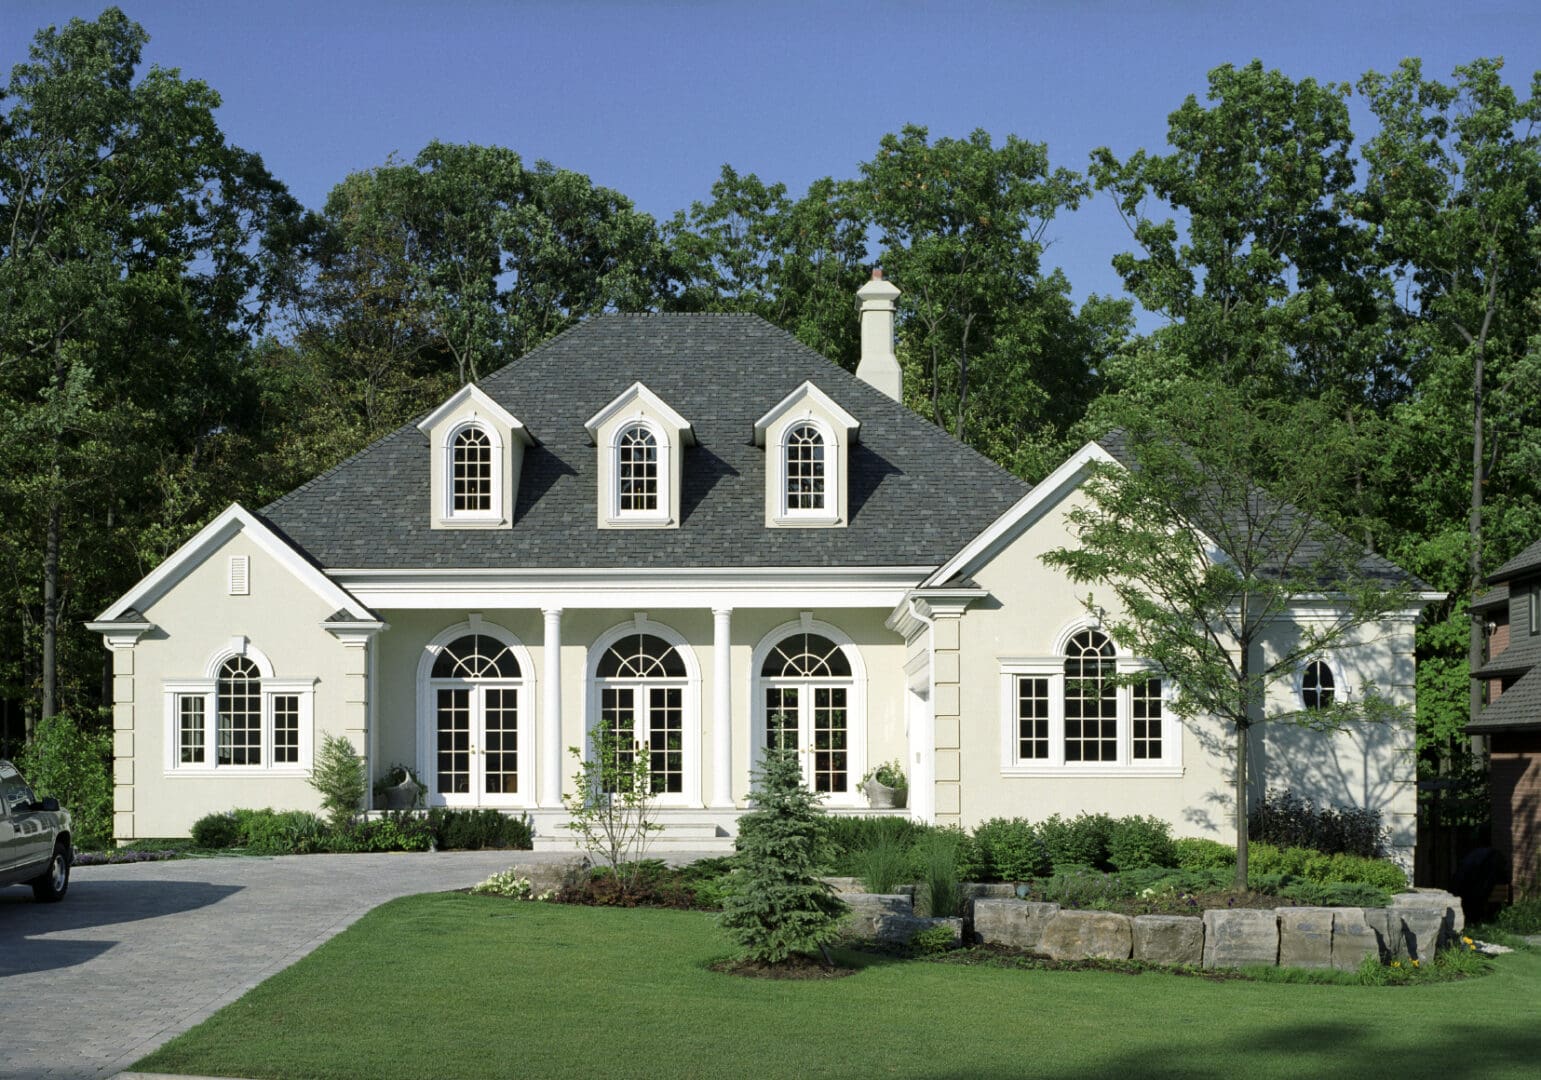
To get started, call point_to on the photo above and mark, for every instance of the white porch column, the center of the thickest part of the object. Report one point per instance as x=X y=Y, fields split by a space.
x=722 y=708
x=550 y=742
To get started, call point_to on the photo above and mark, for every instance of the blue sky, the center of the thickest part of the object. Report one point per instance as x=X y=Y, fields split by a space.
x=652 y=99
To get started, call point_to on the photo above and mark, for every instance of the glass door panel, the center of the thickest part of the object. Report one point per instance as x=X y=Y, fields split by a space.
x=453 y=743
x=500 y=741
x=830 y=745
x=665 y=739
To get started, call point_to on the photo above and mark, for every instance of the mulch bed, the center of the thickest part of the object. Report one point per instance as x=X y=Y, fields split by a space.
x=793 y=967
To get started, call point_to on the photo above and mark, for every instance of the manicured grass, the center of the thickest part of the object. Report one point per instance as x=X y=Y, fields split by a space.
x=453 y=985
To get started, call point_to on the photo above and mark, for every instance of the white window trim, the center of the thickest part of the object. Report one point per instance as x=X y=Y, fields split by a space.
x=473 y=519
x=690 y=794
x=173 y=690
x=1341 y=690
x=829 y=514
x=856 y=706
x=1055 y=765
x=427 y=725
x=662 y=514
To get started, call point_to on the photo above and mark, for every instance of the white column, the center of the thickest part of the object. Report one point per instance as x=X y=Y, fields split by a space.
x=550 y=741
x=722 y=708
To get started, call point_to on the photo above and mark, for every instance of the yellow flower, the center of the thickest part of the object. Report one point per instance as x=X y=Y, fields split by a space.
x=1396 y=963
x=1415 y=963
x=1467 y=940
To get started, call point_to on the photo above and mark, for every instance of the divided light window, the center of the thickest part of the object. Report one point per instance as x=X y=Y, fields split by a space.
x=642 y=680
x=240 y=713
x=636 y=470
x=1091 y=699
x=238 y=720
x=805 y=468
x=471 y=472
x=1316 y=686
x=807 y=686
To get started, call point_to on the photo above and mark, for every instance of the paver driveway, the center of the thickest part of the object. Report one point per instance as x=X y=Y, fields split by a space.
x=138 y=953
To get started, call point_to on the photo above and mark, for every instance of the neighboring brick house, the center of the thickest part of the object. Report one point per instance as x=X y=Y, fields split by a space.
x=1511 y=720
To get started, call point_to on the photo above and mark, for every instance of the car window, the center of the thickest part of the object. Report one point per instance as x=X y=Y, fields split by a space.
x=17 y=795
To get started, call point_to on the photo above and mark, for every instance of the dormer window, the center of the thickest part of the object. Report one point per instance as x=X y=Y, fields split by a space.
x=636 y=470
x=641 y=442
x=807 y=439
x=471 y=471
x=476 y=448
x=804 y=451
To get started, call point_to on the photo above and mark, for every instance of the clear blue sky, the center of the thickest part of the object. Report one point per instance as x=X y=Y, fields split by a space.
x=651 y=99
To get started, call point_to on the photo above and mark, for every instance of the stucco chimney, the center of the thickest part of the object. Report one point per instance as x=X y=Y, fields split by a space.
x=879 y=367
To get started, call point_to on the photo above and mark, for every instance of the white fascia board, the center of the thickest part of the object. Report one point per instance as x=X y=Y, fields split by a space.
x=779 y=587
x=235 y=519
x=806 y=390
x=1009 y=525
x=637 y=392
x=470 y=393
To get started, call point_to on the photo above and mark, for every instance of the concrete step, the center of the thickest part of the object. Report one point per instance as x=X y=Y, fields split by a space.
x=671 y=836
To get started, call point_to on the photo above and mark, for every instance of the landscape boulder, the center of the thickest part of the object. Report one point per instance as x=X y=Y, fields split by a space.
x=1169 y=939
x=900 y=929
x=1237 y=937
x=1016 y=924
x=1087 y=935
x=1353 y=939
x=1305 y=937
x=1430 y=918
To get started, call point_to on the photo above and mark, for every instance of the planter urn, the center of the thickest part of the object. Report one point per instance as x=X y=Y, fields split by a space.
x=883 y=797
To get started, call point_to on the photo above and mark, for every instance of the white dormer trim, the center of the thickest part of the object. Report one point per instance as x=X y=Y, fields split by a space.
x=235 y=519
x=630 y=398
x=806 y=392
x=471 y=401
x=467 y=408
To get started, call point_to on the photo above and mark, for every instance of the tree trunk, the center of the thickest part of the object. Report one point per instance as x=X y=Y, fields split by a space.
x=1478 y=639
x=1243 y=729
x=51 y=611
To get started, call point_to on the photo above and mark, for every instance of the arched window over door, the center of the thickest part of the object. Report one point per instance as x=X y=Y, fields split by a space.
x=806 y=699
x=642 y=682
x=474 y=693
x=1091 y=698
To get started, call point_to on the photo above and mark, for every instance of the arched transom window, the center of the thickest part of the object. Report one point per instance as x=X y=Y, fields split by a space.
x=805 y=468
x=1091 y=698
x=476 y=656
x=475 y=685
x=239 y=717
x=636 y=470
x=471 y=471
x=1317 y=686
x=240 y=712
x=807 y=687
x=642 y=684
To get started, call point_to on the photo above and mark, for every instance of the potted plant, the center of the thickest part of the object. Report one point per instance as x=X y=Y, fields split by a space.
x=399 y=788
x=886 y=785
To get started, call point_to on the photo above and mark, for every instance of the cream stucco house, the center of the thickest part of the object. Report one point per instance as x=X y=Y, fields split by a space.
x=698 y=530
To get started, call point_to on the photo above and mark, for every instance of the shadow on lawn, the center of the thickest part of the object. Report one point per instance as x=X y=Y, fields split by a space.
x=1454 y=1051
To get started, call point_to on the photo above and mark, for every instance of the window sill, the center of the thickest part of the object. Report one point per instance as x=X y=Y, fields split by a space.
x=641 y=521
x=494 y=522
x=206 y=771
x=1065 y=772
x=811 y=521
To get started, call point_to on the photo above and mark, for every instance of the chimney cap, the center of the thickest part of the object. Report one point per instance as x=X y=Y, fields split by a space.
x=877 y=273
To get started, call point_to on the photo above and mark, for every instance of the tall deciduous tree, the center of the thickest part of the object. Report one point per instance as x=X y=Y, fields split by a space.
x=997 y=344
x=1454 y=196
x=1213 y=539
x=130 y=270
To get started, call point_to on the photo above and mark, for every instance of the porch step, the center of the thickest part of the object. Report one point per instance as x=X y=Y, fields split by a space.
x=671 y=836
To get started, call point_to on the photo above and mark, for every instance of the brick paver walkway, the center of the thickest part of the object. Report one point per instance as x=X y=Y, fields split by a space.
x=136 y=954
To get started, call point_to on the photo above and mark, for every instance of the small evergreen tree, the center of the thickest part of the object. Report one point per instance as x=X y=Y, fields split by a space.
x=776 y=906
x=339 y=777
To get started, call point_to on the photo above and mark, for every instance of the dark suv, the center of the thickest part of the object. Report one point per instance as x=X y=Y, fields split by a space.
x=34 y=838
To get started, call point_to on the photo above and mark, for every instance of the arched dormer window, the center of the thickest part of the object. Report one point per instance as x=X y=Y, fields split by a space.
x=239 y=716
x=805 y=470
x=637 y=471
x=471 y=471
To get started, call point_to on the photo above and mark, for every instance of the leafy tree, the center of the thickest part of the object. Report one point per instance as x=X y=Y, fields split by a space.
x=1210 y=537
x=611 y=804
x=339 y=775
x=1454 y=196
x=133 y=260
x=73 y=763
x=776 y=905
x=795 y=263
x=996 y=344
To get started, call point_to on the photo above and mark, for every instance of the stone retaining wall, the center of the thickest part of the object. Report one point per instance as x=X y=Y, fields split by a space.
x=1414 y=926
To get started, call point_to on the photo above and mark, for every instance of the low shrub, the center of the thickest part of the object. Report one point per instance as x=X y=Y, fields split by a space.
x=71 y=761
x=1195 y=853
x=393 y=831
x=846 y=837
x=1287 y=820
x=507 y=883
x=216 y=831
x=339 y=775
x=1080 y=841
x=1335 y=894
x=1521 y=917
x=282 y=832
x=1010 y=849
x=472 y=830
x=932 y=942
x=1308 y=865
x=1080 y=887
x=1138 y=842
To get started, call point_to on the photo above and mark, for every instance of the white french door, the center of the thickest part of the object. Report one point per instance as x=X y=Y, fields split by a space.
x=477 y=756
x=813 y=719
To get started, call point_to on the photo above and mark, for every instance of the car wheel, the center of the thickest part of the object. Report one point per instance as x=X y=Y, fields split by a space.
x=53 y=883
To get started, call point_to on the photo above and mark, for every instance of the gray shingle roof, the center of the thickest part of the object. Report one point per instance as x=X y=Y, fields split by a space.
x=916 y=494
x=1523 y=653
x=1493 y=598
x=1529 y=559
x=1373 y=566
x=1518 y=707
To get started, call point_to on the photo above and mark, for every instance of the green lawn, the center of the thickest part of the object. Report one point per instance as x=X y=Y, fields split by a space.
x=453 y=985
